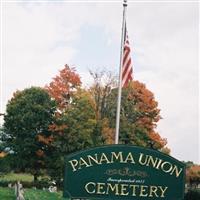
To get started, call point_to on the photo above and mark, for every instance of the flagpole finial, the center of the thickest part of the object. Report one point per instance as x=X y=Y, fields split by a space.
x=125 y=3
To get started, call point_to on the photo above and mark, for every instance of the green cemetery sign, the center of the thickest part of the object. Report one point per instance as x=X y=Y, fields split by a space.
x=123 y=172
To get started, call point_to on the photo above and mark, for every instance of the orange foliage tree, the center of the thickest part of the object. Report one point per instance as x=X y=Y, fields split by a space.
x=139 y=109
x=61 y=89
x=139 y=115
x=193 y=175
x=63 y=86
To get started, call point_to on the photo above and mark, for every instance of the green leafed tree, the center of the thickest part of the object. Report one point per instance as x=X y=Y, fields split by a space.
x=28 y=116
x=78 y=123
x=74 y=130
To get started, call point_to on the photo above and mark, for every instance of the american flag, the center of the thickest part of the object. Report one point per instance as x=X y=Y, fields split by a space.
x=127 y=67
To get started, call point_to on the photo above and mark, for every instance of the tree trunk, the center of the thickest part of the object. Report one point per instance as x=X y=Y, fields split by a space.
x=35 y=177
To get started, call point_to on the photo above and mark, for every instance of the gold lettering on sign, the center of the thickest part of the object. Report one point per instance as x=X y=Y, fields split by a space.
x=117 y=156
x=143 y=162
x=100 y=188
x=166 y=167
x=129 y=158
x=93 y=159
x=143 y=191
x=152 y=161
x=176 y=171
x=113 y=188
x=104 y=159
x=73 y=163
x=82 y=163
x=163 y=190
x=90 y=187
x=120 y=157
x=126 y=189
x=159 y=164
x=153 y=190
x=134 y=188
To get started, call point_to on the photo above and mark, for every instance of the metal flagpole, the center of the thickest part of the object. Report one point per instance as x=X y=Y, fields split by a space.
x=120 y=75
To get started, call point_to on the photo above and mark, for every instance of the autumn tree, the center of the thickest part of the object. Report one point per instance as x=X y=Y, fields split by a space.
x=28 y=116
x=63 y=86
x=74 y=126
x=139 y=114
x=62 y=89
x=103 y=82
x=192 y=174
x=65 y=89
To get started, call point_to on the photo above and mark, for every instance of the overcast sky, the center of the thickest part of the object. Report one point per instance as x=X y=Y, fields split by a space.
x=39 y=38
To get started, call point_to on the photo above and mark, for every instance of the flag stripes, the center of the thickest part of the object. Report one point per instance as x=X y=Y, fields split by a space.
x=127 y=67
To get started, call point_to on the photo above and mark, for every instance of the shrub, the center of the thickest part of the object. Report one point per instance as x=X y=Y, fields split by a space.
x=192 y=195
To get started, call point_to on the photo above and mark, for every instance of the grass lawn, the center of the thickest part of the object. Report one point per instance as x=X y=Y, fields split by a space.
x=30 y=194
x=17 y=176
x=7 y=194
